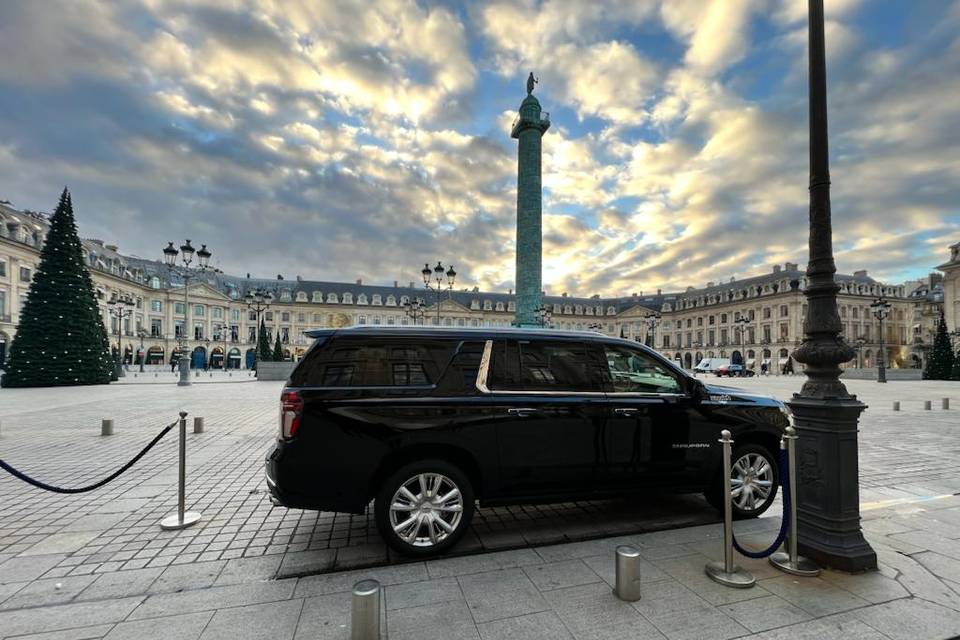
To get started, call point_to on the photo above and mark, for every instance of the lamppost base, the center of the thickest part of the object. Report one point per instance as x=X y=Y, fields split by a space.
x=738 y=578
x=174 y=522
x=804 y=567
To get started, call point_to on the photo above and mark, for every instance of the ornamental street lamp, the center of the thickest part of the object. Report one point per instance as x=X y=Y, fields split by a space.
x=121 y=308
x=825 y=415
x=433 y=280
x=860 y=341
x=741 y=324
x=881 y=309
x=186 y=272
x=257 y=300
x=653 y=320
x=544 y=316
x=414 y=310
x=142 y=333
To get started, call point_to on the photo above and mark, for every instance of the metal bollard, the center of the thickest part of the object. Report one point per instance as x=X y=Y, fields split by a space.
x=791 y=561
x=197 y=424
x=365 y=611
x=627 y=585
x=182 y=518
x=106 y=427
x=896 y=405
x=725 y=572
x=945 y=403
x=927 y=405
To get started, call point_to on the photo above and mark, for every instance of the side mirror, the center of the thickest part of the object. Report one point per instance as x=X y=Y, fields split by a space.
x=696 y=390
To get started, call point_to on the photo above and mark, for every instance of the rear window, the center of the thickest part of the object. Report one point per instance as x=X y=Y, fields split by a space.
x=373 y=362
x=540 y=365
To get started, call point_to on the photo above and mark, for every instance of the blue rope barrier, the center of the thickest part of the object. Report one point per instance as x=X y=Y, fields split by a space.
x=784 y=523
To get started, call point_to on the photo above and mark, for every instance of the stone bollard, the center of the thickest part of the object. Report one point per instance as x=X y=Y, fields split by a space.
x=365 y=611
x=945 y=403
x=197 y=424
x=106 y=427
x=896 y=405
x=926 y=405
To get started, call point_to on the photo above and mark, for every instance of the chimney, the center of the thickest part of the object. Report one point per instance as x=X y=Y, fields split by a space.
x=634 y=295
x=394 y=284
x=299 y=278
x=790 y=266
x=359 y=281
x=776 y=268
x=659 y=291
x=564 y=294
x=411 y=284
x=511 y=292
x=709 y=284
x=862 y=273
x=476 y=289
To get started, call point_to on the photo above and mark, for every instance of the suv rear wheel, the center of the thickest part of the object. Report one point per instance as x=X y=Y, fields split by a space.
x=424 y=507
x=754 y=478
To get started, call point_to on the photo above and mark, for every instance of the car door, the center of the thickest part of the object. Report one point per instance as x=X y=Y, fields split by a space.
x=648 y=419
x=549 y=412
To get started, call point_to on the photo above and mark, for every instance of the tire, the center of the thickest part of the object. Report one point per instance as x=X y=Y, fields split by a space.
x=440 y=526
x=750 y=454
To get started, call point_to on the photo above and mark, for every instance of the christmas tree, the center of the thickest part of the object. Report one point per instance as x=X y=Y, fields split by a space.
x=277 y=350
x=263 y=345
x=61 y=339
x=940 y=360
x=955 y=375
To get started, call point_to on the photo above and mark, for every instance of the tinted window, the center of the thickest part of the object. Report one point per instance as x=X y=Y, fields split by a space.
x=636 y=372
x=522 y=365
x=460 y=376
x=373 y=362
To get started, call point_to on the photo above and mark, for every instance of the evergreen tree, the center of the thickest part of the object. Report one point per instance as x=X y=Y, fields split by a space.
x=61 y=339
x=955 y=374
x=940 y=360
x=263 y=345
x=277 y=350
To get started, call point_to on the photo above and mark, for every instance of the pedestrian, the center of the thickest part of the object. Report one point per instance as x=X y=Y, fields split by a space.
x=173 y=364
x=763 y=368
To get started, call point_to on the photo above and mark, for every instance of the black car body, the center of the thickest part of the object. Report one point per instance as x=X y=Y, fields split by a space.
x=518 y=415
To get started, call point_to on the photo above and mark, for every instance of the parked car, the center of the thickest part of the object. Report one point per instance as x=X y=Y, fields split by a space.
x=710 y=365
x=427 y=421
x=733 y=370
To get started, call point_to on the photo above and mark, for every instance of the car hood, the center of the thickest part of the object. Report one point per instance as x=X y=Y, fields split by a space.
x=720 y=393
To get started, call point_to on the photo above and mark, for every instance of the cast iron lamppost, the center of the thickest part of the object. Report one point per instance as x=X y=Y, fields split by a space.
x=257 y=300
x=860 y=342
x=824 y=413
x=881 y=309
x=121 y=308
x=414 y=310
x=142 y=333
x=741 y=324
x=437 y=286
x=544 y=315
x=186 y=273
x=653 y=320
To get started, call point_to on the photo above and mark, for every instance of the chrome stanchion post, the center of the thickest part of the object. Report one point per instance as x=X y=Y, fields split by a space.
x=627 y=583
x=725 y=572
x=183 y=518
x=792 y=562
x=365 y=611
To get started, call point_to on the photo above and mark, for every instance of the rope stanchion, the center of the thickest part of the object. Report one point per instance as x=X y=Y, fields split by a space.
x=96 y=485
x=791 y=561
x=725 y=572
x=784 y=523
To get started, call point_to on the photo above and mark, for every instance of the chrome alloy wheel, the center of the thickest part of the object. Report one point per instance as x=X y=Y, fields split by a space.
x=426 y=509
x=751 y=481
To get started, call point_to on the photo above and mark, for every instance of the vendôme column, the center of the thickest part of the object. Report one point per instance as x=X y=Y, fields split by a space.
x=529 y=128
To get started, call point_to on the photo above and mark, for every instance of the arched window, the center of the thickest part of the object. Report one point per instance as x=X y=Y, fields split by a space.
x=499 y=306
x=487 y=305
x=404 y=300
x=361 y=299
x=332 y=297
x=318 y=296
x=391 y=301
x=376 y=299
x=348 y=298
x=155 y=284
x=301 y=296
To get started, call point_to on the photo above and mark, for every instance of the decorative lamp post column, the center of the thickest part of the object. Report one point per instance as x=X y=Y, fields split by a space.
x=433 y=280
x=186 y=273
x=860 y=342
x=121 y=308
x=653 y=320
x=881 y=309
x=824 y=413
x=142 y=333
x=741 y=323
x=414 y=310
x=257 y=300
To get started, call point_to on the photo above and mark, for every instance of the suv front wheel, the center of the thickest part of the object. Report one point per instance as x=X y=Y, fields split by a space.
x=424 y=508
x=754 y=478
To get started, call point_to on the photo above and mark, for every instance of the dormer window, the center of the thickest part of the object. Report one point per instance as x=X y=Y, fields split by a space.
x=301 y=296
x=499 y=306
x=361 y=299
x=376 y=299
x=318 y=296
x=487 y=305
x=611 y=311
x=332 y=297
x=511 y=306
x=348 y=298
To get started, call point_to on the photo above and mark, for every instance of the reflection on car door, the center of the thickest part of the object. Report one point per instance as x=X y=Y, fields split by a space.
x=648 y=420
x=549 y=413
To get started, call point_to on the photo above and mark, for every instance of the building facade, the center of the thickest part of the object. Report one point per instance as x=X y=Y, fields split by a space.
x=220 y=330
x=951 y=292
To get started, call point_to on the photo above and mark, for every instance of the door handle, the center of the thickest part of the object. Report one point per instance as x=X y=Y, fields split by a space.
x=625 y=411
x=522 y=411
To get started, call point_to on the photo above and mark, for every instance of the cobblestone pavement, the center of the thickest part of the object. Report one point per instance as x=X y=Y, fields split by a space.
x=109 y=540
x=546 y=592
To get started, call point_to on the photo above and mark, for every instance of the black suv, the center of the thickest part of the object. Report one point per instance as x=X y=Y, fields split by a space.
x=425 y=421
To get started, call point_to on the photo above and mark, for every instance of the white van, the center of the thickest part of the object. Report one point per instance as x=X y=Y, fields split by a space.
x=710 y=365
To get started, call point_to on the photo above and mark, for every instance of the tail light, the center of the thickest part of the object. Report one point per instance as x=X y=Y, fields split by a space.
x=291 y=410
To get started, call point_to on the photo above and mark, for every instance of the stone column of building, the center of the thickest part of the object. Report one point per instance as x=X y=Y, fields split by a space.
x=951 y=289
x=528 y=129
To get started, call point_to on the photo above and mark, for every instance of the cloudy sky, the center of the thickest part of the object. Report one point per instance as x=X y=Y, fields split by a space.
x=343 y=140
